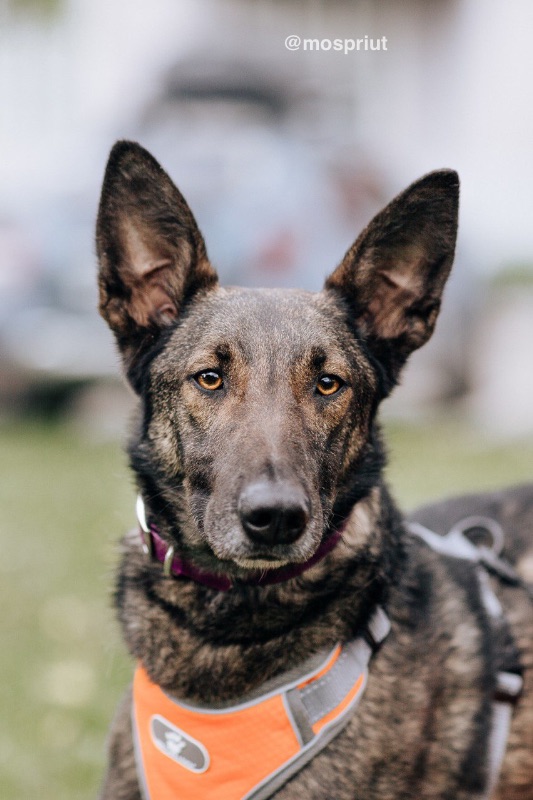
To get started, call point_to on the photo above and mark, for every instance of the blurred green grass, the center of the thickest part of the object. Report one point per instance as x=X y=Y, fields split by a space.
x=64 y=503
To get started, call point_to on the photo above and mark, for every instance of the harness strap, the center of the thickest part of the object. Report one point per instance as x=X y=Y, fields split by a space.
x=248 y=751
x=508 y=684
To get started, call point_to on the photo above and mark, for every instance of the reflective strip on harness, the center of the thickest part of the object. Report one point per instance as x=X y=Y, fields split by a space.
x=248 y=751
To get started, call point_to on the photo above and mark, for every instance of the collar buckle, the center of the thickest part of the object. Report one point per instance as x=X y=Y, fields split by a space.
x=147 y=538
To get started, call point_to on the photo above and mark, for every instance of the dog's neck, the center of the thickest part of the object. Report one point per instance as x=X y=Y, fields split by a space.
x=187 y=634
x=173 y=565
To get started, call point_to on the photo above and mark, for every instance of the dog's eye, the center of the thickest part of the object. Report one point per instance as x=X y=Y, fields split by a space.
x=209 y=379
x=328 y=385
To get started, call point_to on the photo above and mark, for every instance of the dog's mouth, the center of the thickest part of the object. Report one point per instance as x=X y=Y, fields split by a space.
x=253 y=564
x=236 y=549
x=262 y=562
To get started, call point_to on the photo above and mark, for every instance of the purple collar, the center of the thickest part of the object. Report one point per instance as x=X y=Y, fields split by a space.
x=158 y=549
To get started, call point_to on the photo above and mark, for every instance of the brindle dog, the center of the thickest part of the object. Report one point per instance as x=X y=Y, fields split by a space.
x=257 y=442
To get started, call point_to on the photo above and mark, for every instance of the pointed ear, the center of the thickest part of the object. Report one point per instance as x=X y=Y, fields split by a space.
x=151 y=253
x=393 y=277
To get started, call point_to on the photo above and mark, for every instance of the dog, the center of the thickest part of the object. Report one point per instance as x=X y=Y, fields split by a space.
x=295 y=635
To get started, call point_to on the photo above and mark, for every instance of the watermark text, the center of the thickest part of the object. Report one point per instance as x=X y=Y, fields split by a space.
x=365 y=43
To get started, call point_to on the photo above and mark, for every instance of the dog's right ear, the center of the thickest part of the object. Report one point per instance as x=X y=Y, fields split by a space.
x=151 y=253
x=393 y=277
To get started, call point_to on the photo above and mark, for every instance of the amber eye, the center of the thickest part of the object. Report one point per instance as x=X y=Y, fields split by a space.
x=209 y=379
x=328 y=385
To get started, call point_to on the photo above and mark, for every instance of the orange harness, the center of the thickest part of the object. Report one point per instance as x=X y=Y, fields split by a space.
x=250 y=750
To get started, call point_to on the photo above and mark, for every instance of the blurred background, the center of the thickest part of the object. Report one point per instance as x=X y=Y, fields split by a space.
x=283 y=157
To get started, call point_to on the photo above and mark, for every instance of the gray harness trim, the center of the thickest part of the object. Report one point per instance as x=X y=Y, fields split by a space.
x=306 y=706
x=325 y=694
x=487 y=559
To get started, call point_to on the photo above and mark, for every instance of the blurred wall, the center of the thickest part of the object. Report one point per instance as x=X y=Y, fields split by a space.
x=453 y=88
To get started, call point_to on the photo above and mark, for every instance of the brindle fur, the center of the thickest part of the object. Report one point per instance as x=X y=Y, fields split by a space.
x=421 y=730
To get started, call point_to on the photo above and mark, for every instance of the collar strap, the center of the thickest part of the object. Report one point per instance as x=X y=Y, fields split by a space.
x=158 y=549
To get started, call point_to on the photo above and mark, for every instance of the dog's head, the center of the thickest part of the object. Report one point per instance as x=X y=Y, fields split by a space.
x=257 y=434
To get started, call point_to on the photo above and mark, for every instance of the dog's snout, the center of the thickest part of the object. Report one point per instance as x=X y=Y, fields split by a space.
x=273 y=513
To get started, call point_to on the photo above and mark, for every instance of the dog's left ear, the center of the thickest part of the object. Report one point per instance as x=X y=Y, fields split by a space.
x=393 y=277
x=152 y=255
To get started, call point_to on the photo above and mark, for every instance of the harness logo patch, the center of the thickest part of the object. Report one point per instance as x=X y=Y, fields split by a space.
x=178 y=745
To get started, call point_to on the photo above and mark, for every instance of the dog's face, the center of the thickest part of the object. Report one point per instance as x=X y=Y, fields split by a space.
x=257 y=433
x=258 y=408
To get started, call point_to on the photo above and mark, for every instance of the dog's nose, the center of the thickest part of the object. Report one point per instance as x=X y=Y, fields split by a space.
x=273 y=513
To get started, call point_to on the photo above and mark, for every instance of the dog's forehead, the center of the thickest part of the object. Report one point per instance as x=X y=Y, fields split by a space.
x=257 y=321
